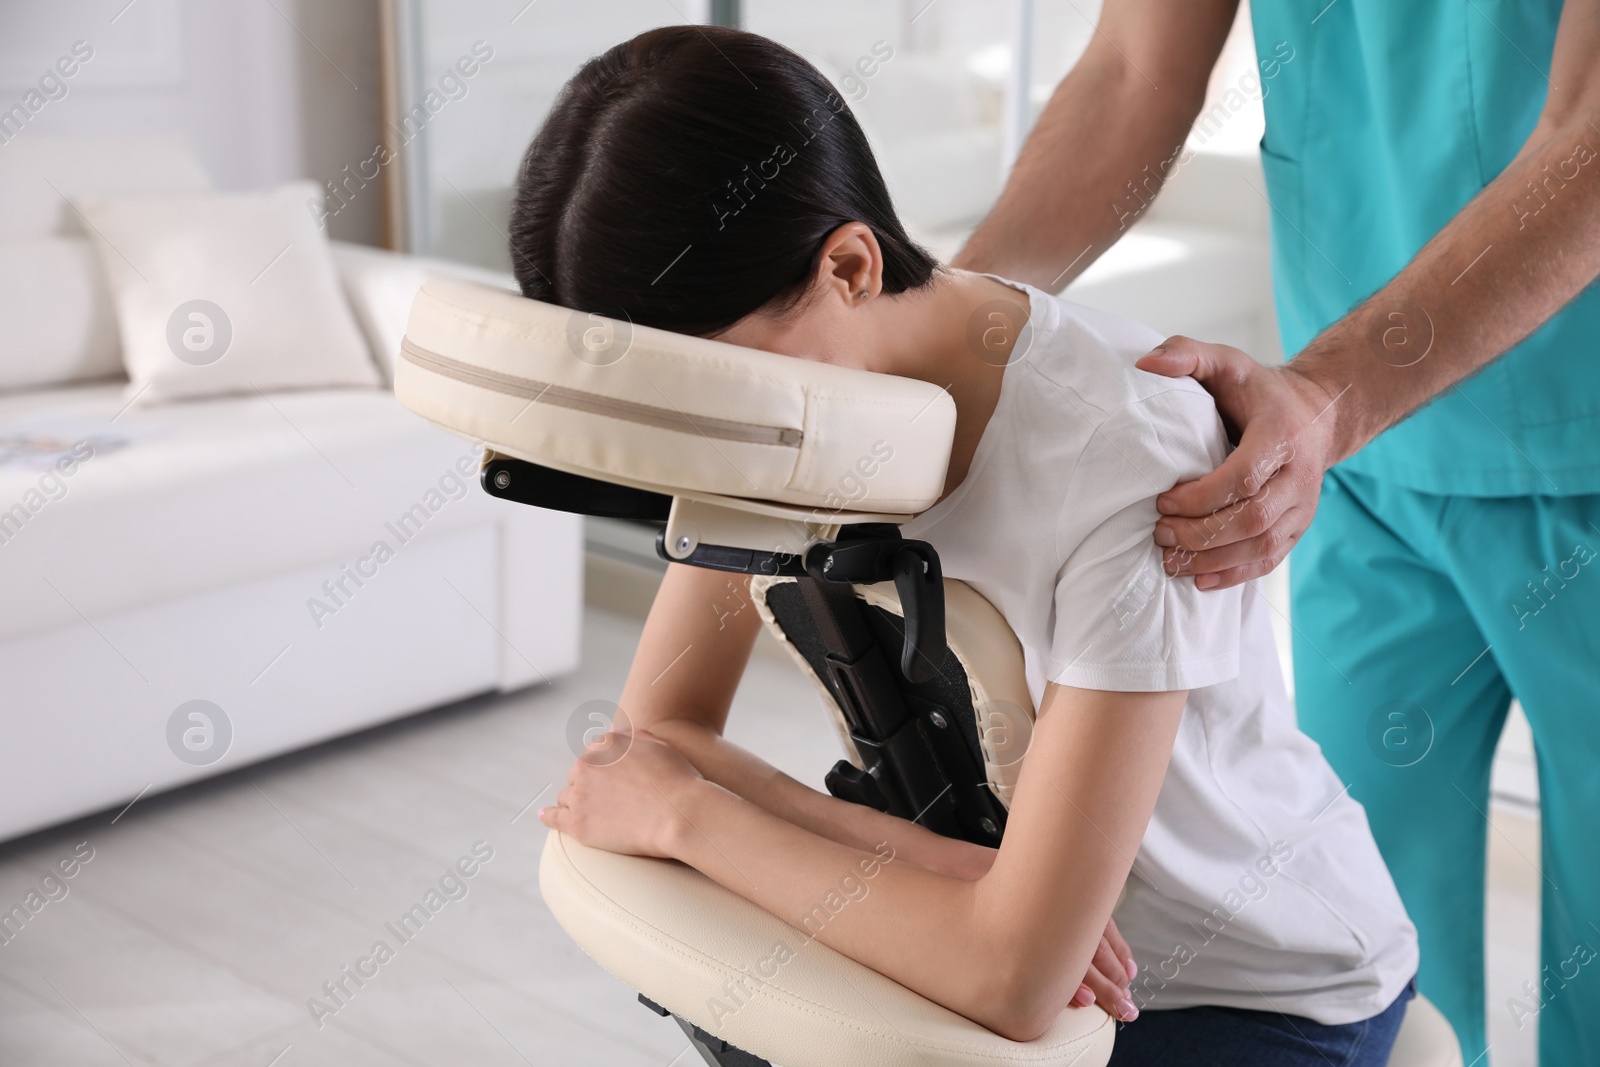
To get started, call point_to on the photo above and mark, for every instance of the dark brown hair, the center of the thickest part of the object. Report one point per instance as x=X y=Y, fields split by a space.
x=688 y=177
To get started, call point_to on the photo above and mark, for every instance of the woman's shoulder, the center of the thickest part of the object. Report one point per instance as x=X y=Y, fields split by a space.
x=1086 y=356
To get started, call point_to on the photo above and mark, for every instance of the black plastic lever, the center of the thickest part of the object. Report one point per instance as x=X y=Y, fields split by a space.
x=920 y=583
x=913 y=566
x=849 y=782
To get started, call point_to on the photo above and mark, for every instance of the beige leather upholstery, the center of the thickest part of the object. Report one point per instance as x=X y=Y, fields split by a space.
x=683 y=415
x=713 y=958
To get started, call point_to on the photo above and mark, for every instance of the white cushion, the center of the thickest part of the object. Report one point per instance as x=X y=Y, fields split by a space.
x=220 y=293
x=59 y=326
x=213 y=492
x=381 y=286
x=40 y=173
x=683 y=415
x=755 y=981
x=1426 y=1038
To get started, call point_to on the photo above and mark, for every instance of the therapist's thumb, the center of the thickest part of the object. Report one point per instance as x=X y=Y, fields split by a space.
x=1222 y=369
x=1174 y=357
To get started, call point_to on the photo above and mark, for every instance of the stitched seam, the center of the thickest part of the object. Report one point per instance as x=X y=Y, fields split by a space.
x=593 y=403
x=498 y=327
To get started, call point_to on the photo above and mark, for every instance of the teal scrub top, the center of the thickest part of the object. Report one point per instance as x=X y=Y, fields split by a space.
x=1387 y=119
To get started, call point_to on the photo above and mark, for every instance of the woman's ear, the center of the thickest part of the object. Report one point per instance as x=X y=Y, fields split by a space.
x=850 y=267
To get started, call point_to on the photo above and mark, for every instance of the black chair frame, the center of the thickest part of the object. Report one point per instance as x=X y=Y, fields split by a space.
x=903 y=694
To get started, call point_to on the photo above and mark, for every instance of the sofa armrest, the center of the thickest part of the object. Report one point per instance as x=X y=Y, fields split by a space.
x=380 y=286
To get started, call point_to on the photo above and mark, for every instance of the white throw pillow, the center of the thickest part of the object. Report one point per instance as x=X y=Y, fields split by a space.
x=381 y=285
x=221 y=293
x=59 y=324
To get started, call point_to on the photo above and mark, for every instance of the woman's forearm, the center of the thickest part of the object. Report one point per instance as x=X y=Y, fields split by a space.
x=918 y=927
x=1008 y=949
x=762 y=784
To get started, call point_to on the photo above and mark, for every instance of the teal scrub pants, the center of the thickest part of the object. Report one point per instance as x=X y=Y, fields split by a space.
x=1417 y=617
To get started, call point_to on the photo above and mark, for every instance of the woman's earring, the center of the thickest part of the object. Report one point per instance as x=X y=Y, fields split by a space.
x=862 y=294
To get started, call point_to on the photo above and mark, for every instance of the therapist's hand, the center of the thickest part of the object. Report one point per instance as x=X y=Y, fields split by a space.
x=1241 y=520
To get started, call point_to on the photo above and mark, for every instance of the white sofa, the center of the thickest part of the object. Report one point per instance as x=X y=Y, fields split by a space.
x=190 y=562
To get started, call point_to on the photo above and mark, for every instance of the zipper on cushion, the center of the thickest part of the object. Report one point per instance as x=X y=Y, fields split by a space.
x=577 y=399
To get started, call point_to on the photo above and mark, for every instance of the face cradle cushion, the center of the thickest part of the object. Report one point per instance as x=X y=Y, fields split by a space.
x=797 y=474
x=683 y=415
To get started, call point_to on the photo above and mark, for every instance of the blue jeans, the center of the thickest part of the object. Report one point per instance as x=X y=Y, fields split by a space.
x=1235 y=1037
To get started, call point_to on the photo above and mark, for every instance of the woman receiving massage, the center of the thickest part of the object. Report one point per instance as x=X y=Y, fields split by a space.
x=711 y=182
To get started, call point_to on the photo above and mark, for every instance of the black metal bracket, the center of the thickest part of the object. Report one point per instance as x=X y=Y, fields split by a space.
x=712 y=1049
x=914 y=568
x=732 y=558
x=522 y=482
x=875 y=554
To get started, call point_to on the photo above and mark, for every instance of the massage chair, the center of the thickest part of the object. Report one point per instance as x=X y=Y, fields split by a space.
x=796 y=474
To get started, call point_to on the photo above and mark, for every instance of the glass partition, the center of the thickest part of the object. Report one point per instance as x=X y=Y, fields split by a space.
x=946 y=90
x=469 y=83
x=929 y=82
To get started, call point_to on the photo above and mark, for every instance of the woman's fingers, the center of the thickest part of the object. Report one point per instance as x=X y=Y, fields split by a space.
x=1102 y=991
x=1109 y=965
x=1110 y=972
x=1121 y=949
x=1108 y=981
x=558 y=815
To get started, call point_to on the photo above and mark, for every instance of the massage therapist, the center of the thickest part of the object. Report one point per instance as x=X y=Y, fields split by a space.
x=1434 y=174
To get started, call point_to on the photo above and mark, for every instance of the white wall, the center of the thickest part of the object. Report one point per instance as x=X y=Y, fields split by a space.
x=266 y=90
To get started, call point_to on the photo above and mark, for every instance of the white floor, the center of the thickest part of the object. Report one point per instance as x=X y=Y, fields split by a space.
x=208 y=918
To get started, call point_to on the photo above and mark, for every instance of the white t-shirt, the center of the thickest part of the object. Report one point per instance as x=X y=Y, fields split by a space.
x=1258 y=884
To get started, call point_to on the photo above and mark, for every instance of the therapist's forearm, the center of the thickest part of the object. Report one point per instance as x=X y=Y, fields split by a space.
x=1522 y=248
x=1492 y=276
x=1094 y=157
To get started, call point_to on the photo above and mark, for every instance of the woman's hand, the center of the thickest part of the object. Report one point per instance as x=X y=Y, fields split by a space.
x=620 y=795
x=1109 y=976
x=698 y=743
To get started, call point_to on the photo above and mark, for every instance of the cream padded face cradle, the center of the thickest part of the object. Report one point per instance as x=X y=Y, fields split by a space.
x=683 y=414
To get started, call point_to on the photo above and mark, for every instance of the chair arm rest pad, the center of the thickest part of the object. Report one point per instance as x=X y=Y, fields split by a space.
x=721 y=962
